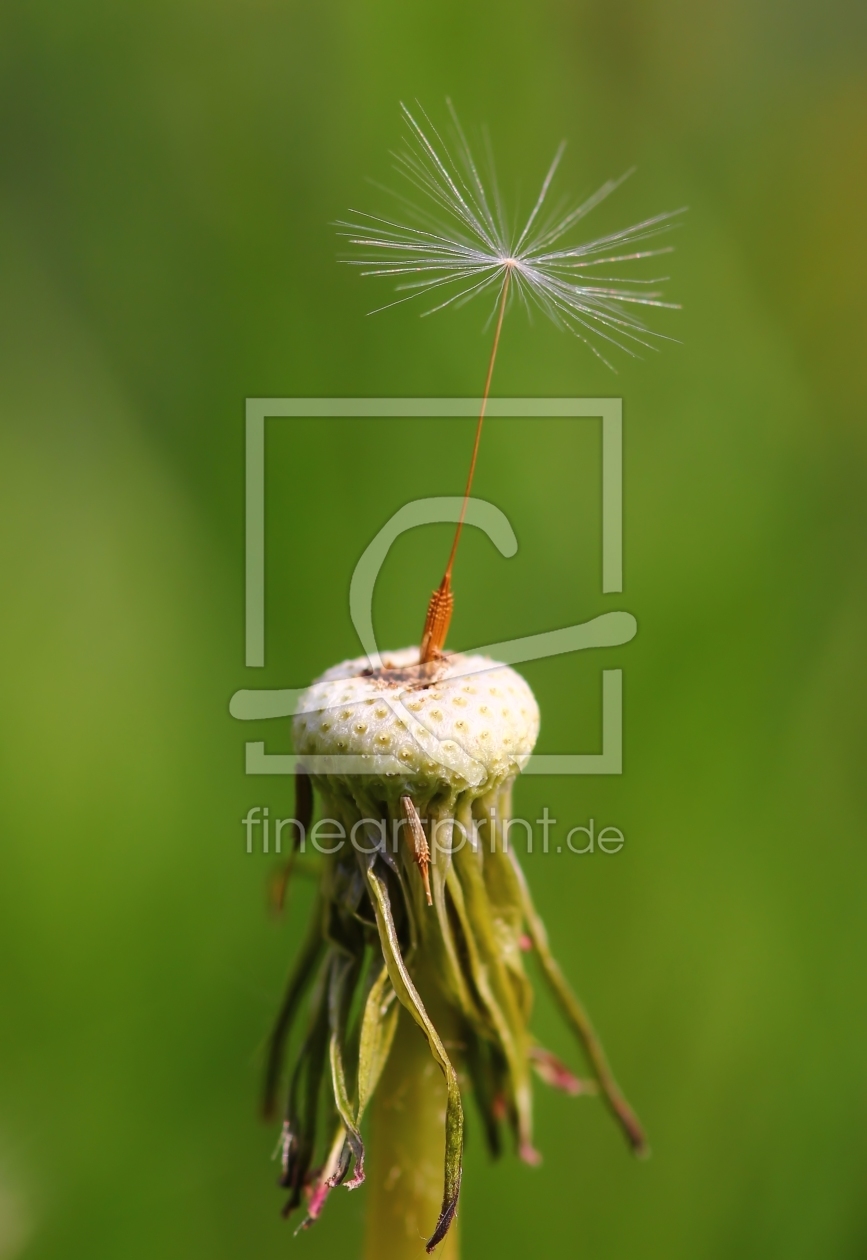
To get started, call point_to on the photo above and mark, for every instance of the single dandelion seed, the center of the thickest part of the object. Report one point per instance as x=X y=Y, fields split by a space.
x=456 y=244
x=426 y=911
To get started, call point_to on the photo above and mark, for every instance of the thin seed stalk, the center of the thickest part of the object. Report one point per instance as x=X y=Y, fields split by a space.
x=439 y=611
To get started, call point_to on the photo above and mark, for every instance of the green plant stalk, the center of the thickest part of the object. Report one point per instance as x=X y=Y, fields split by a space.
x=405 y=1170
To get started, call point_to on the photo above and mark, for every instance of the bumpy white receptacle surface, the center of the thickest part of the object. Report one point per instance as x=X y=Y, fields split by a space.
x=463 y=722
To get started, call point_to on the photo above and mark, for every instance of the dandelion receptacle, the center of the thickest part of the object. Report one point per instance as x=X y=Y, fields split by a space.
x=414 y=981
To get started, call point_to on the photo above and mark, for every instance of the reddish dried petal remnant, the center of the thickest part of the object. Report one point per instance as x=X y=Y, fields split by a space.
x=555 y=1073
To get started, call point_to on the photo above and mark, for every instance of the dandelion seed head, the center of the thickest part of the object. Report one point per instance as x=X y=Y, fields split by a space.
x=451 y=243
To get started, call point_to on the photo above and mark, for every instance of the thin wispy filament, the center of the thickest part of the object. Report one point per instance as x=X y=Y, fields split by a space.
x=454 y=245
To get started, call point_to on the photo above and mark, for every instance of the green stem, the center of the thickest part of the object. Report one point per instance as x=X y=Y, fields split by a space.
x=405 y=1170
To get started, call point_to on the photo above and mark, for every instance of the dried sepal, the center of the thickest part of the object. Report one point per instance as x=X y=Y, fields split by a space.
x=344 y=972
x=299 y=981
x=378 y=1026
x=302 y=1111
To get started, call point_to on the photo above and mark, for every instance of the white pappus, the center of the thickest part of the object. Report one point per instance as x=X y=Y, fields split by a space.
x=458 y=246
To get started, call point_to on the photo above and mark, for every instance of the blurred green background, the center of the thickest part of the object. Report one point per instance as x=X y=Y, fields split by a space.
x=170 y=171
